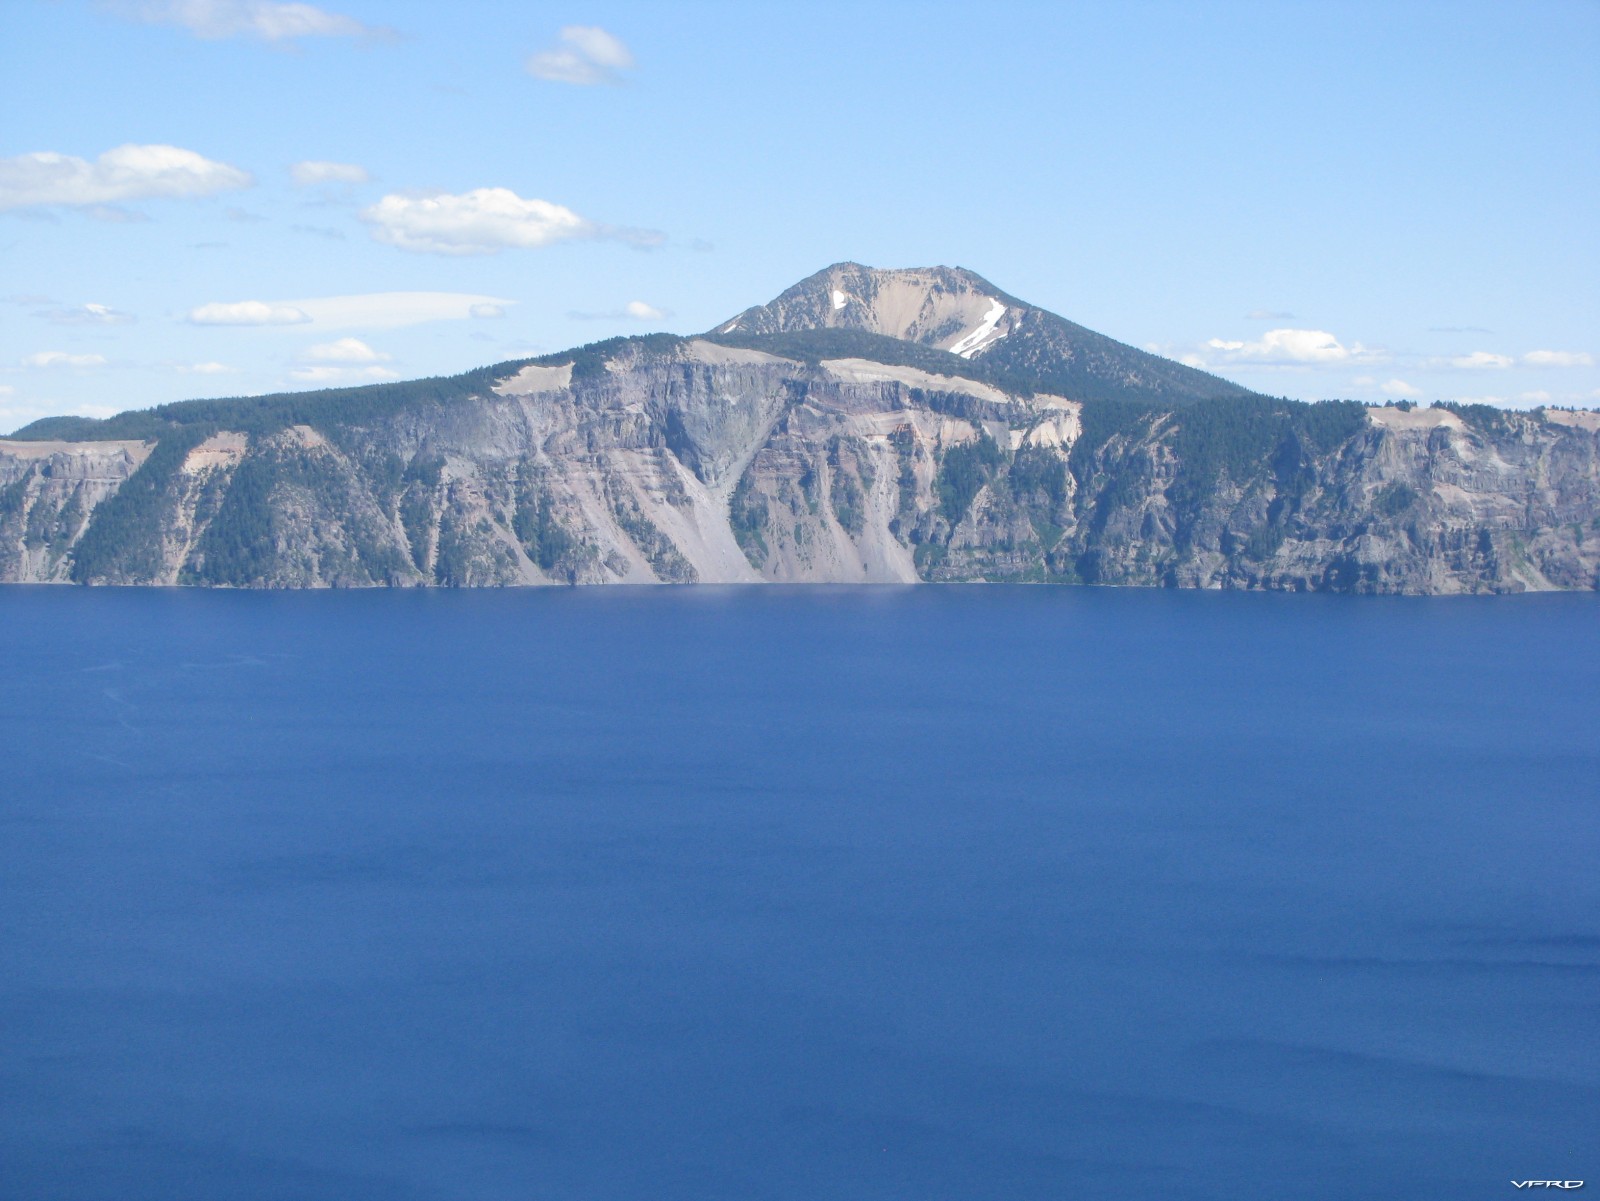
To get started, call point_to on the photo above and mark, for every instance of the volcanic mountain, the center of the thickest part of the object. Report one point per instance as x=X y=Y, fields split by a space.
x=866 y=426
x=957 y=311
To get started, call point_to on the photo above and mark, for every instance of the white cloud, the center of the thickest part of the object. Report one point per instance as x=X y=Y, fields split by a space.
x=389 y=310
x=634 y=310
x=482 y=221
x=598 y=46
x=584 y=55
x=1481 y=360
x=1399 y=387
x=373 y=310
x=1291 y=347
x=345 y=350
x=125 y=173
x=335 y=375
x=248 y=312
x=267 y=20
x=313 y=172
x=488 y=310
x=1540 y=396
x=203 y=369
x=60 y=358
x=87 y=314
x=1558 y=358
x=1268 y=315
x=7 y=390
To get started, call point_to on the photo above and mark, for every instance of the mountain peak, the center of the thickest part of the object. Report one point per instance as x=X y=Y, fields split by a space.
x=957 y=310
x=948 y=308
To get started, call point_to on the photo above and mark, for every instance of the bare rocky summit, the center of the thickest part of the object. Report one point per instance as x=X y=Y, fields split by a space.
x=924 y=427
x=957 y=311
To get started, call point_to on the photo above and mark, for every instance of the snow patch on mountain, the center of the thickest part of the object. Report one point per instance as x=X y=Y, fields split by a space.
x=984 y=334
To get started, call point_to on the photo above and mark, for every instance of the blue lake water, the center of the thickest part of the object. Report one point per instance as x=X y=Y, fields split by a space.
x=936 y=893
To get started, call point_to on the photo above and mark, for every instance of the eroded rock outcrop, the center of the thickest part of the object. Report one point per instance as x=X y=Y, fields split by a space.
x=48 y=492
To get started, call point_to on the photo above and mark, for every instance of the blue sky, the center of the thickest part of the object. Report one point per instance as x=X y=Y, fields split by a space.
x=1318 y=200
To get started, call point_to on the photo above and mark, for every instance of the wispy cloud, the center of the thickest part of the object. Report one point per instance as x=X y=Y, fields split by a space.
x=584 y=55
x=1558 y=358
x=345 y=350
x=1478 y=360
x=248 y=312
x=263 y=20
x=60 y=358
x=314 y=173
x=1268 y=315
x=125 y=173
x=320 y=231
x=1288 y=347
x=87 y=314
x=634 y=310
x=372 y=310
x=1389 y=387
x=485 y=221
x=324 y=373
x=346 y=360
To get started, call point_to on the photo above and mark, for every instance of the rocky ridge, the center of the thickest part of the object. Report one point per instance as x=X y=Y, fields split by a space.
x=806 y=454
x=957 y=311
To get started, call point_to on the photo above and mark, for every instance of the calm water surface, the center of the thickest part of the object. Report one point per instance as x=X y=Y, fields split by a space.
x=796 y=894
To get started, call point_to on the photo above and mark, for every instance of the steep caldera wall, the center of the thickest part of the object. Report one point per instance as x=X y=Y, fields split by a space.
x=683 y=460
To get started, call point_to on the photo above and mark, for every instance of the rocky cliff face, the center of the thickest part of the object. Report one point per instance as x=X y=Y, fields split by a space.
x=701 y=462
x=1399 y=500
x=791 y=455
x=48 y=490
